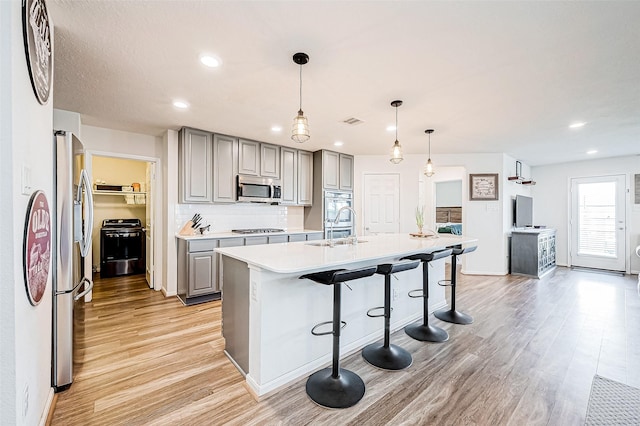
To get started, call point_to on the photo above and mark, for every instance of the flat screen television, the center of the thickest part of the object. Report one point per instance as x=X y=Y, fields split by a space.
x=523 y=215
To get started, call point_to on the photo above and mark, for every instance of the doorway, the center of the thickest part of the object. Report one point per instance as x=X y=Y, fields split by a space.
x=381 y=204
x=137 y=200
x=598 y=222
x=448 y=204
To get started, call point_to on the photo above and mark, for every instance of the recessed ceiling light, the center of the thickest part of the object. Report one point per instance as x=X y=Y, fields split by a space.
x=391 y=128
x=576 y=125
x=338 y=143
x=593 y=151
x=180 y=104
x=210 y=61
x=276 y=128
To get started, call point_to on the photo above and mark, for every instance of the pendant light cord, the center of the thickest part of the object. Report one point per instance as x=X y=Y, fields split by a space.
x=396 y=123
x=429 y=146
x=300 y=88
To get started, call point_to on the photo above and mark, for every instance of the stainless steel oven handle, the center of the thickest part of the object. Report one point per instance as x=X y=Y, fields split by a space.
x=86 y=290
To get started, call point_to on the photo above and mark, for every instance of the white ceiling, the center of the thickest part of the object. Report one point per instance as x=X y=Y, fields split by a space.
x=487 y=76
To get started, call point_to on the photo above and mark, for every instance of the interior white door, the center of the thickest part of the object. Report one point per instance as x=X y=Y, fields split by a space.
x=150 y=183
x=598 y=222
x=381 y=211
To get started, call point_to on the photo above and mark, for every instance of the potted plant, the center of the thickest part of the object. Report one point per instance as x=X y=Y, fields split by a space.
x=420 y=218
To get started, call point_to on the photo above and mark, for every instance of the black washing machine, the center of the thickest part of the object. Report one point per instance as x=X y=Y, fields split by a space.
x=122 y=247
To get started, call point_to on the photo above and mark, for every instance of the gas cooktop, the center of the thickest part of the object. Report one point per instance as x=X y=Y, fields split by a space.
x=256 y=231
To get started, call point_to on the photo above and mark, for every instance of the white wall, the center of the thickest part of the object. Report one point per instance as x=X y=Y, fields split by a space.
x=26 y=140
x=483 y=220
x=551 y=199
x=170 y=185
x=119 y=142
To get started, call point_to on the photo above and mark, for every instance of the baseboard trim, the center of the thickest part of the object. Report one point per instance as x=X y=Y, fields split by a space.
x=49 y=408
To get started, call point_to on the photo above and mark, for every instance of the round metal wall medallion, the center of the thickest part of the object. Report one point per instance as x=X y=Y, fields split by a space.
x=38 y=46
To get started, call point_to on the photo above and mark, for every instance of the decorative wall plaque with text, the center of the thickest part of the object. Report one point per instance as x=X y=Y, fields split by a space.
x=37 y=247
x=38 y=47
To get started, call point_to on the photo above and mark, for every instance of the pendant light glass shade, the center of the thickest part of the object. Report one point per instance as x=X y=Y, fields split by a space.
x=428 y=168
x=396 y=149
x=396 y=153
x=300 y=130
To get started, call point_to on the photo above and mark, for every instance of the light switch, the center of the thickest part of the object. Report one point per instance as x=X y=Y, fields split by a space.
x=26 y=180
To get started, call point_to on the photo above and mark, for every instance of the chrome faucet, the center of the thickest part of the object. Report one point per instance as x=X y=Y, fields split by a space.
x=352 y=239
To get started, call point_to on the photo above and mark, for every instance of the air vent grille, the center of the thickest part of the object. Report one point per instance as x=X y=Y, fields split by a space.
x=352 y=121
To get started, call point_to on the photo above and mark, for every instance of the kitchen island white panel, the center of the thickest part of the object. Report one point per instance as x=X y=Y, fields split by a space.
x=268 y=316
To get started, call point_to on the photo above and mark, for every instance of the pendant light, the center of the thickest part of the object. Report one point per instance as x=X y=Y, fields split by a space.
x=428 y=168
x=300 y=131
x=396 y=149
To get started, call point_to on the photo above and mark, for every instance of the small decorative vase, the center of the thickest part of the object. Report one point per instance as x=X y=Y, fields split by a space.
x=419 y=229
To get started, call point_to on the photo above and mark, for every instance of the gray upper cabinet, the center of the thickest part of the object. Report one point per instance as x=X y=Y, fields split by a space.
x=305 y=178
x=346 y=172
x=258 y=159
x=330 y=169
x=289 y=171
x=195 y=157
x=225 y=168
x=248 y=157
x=297 y=177
x=337 y=171
x=269 y=160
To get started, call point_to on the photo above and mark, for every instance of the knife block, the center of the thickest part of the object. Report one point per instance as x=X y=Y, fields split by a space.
x=187 y=229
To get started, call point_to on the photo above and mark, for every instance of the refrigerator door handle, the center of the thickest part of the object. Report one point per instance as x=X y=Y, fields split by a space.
x=86 y=290
x=85 y=240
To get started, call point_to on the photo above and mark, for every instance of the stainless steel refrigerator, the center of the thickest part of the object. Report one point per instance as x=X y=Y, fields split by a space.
x=72 y=236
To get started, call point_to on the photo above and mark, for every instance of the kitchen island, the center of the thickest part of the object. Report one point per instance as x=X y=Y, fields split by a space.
x=268 y=312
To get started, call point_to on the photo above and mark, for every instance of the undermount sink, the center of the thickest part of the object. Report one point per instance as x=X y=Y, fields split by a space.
x=325 y=243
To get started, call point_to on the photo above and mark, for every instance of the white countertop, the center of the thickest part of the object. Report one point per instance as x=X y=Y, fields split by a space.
x=229 y=234
x=300 y=257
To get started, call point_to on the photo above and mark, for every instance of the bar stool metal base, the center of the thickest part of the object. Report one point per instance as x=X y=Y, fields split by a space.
x=453 y=316
x=387 y=358
x=335 y=392
x=426 y=333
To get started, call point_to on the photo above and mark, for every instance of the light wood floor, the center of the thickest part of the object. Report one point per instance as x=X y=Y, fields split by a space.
x=528 y=359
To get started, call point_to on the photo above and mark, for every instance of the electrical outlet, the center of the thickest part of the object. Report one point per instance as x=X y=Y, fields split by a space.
x=25 y=401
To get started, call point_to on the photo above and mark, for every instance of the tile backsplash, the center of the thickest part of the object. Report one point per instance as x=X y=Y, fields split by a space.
x=225 y=217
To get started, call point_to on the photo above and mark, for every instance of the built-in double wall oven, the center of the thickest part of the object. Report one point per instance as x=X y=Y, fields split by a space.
x=333 y=202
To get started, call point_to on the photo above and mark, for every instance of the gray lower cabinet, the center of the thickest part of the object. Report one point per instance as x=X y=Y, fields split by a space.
x=197 y=271
x=315 y=236
x=297 y=237
x=200 y=275
x=533 y=252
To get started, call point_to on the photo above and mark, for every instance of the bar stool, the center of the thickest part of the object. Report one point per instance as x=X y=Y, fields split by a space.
x=336 y=387
x=385 y=355
x=425 y=332
x=451 y=315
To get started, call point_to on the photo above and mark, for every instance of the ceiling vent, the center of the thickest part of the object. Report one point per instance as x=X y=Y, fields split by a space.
x=352 y=121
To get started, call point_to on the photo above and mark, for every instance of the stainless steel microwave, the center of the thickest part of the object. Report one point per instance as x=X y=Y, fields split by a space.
x=258 y=190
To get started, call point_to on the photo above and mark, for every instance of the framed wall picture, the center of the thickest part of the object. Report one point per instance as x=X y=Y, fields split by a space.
x=483 y=187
